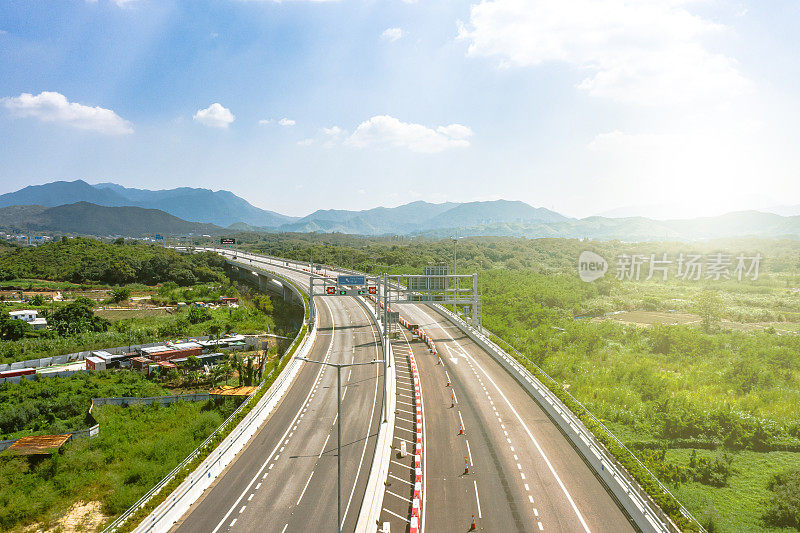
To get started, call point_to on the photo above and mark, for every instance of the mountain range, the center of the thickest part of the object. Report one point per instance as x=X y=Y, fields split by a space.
x=221 y=208
x=84 y=218
x=225 y=209
x=110 y=209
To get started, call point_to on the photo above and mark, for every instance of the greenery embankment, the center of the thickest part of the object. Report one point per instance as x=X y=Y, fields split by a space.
x=136 y=447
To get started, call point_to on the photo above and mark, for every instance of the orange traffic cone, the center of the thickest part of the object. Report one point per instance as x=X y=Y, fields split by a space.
x=472 y=526
x=466 y=466
x=453 y=400
x=448 y=382
x=460 y=429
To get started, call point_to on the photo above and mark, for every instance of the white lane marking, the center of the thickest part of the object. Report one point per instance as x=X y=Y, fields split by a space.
x=400 y=479
x=258 y=486
x=322 y=450
x=284 y=528
x=395 y=514
x=242 y=509
x=525 y=427
x=305 y=487
x=250 y=498
x=477 y=499
x=269 y=458
x=397 y=496
x=369 y=424
x=234 y=521
x=404 y=466
x=469 y=453
x=424 y=452
x=462 y=420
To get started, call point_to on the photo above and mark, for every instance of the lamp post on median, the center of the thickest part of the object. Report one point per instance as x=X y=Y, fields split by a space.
x=339 y=367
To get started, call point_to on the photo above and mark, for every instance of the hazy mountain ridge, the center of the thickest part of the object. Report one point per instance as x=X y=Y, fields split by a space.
x=635 y=229
x=85 y=218
x=175 y=211
x=221 y=208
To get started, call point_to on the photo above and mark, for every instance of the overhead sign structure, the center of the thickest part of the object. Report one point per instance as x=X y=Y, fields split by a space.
x=227 y=240
x=351 y=280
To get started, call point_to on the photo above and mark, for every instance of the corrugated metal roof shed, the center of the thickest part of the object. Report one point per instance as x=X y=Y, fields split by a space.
x=39 y=444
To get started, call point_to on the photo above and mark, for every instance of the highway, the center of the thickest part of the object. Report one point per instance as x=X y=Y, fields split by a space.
x=523 y=473
x=285 y=478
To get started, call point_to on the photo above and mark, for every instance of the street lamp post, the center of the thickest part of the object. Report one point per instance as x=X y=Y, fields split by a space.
x=339 y=367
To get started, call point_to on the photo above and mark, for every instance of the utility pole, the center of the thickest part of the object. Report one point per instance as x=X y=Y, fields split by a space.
x=480 y=317
x=339 y=367
x=455 y=306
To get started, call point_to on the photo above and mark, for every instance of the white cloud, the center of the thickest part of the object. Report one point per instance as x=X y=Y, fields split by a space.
x=333 y=131
x=392 y=34
x=286 y=122
x=215 y=116
x=120 y=3
x=54 y=107
x=265 y=121
x=383 y=130
x=305 y=142
x=644 y=52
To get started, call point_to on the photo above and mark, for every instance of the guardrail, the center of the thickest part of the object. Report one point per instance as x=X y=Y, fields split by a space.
x=637 y=503
x=187 y=492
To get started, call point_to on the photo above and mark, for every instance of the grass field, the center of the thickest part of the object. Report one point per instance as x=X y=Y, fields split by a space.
x=136 y=447
x=123 y=314
x=738 y=507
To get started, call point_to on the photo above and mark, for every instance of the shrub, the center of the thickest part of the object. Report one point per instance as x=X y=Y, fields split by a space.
x=783 y=509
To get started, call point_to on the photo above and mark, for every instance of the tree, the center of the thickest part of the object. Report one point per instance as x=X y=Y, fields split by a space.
x=784 y=504
x=194 y=363
x=198 y=314
x=37 y=300
x=12 y=329
x=120 y=294
x=214 y=330
x=77 y=317
x=709 y=306
x=263 y=303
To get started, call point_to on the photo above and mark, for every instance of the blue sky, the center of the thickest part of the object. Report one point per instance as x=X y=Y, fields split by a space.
x=581 y=106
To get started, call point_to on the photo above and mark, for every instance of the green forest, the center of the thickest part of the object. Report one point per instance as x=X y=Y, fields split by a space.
x=84 y=260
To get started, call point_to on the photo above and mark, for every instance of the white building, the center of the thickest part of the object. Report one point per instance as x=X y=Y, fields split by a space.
x=30 y=316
